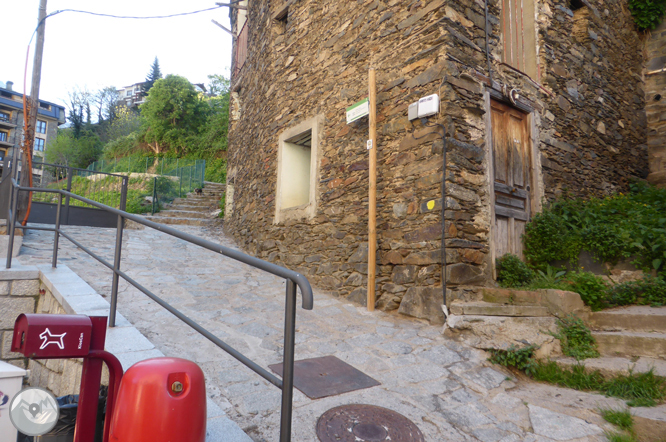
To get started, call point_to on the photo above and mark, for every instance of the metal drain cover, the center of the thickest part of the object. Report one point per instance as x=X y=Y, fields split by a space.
x=366 y=423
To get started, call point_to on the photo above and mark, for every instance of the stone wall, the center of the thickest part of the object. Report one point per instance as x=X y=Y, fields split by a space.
x=61 y=377
x=655 y=97
x=588 y=132
x=16 y=297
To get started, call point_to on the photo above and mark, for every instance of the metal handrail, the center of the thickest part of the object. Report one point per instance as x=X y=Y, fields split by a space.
x=294 y=279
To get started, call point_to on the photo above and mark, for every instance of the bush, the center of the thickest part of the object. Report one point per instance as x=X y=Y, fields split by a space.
x=591 y=288
x=520 y=358
x=648 y=291
x=512 y=272
x=613 y=228
x=576 y=339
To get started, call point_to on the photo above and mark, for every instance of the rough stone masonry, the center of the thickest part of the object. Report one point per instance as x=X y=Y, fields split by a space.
x=586 y=107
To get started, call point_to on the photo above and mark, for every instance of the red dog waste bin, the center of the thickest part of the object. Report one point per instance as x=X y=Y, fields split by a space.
x=162 y=399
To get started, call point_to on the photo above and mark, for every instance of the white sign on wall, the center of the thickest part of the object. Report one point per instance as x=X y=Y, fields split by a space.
x=358 y=111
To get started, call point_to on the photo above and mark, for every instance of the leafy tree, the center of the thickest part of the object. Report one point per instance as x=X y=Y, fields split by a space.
x=125 y=121
x=69 y=150
x=173 y=113
x=154 y=75
x=105 y=101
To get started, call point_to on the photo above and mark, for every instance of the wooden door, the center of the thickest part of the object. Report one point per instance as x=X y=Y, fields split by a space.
x=512 y=167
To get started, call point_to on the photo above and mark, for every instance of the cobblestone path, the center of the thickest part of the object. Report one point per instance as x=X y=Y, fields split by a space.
x=448 y=390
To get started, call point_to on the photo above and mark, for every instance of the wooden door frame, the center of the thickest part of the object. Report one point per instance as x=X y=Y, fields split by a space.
x=536 y=177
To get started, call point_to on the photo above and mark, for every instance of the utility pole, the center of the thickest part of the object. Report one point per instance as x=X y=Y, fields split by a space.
x=29 y=134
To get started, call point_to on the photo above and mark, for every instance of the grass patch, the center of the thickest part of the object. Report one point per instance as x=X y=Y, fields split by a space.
x=620 y=437
x=620 y=418
x=576 y=339
x=639 y=390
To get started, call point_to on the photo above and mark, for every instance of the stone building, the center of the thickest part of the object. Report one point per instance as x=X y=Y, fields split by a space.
x=536 y=102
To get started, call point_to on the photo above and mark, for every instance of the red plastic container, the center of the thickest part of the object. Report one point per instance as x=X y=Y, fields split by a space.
x=162 y=399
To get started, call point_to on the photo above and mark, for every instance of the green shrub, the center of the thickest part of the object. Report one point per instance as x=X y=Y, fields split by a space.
x=591 y=288
x=547 y=239
x=648 y=291
x=647 y=13
x=512 y=272
x=520 y=358
x=576 y=339
x=222 y=205
x=614 y=228
x=216 y=170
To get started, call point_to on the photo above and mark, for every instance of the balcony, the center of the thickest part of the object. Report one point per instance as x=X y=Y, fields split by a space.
x=8 y=122
x=7 y=140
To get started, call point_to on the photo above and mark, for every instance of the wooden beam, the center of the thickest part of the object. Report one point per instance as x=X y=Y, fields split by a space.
x=372 y=199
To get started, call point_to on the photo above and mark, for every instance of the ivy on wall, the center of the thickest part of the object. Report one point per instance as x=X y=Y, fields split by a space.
x=647 y=13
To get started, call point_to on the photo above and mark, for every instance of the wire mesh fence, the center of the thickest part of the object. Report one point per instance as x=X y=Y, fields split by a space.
x=104 y=188
x=148 y=165
x=154 y=182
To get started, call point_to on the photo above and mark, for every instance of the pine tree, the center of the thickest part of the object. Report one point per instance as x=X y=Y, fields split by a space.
x=154 y=75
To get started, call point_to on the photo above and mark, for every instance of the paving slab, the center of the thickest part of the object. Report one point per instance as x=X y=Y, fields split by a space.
x=446 y=388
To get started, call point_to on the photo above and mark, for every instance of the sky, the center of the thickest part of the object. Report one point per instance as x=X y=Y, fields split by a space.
x=84 y=51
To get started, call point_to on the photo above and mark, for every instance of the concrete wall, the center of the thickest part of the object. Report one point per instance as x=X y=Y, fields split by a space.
x=588 y=129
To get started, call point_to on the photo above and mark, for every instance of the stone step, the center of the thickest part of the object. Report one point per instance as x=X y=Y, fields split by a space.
x=183 y=214
x=625 y=343
x=192 y=207
x=613 y=366
x=197 y=199
x=652 y=319
x=559 y=302
x=492 y=309
x=180 y=221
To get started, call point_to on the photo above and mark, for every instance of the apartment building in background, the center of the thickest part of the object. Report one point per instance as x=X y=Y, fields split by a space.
x=49 y=117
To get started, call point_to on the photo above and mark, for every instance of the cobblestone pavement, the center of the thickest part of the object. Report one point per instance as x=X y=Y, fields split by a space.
x=448 y=390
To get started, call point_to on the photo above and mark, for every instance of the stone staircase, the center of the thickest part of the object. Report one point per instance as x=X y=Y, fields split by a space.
x=628 y=338
x=195 y=210
x=500 y=318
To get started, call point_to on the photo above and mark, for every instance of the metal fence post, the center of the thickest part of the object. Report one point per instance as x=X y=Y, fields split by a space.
x=68 y=189
x=123 y=194
x=203 y=174
x=11 y=226
x=129 y=165
x=288 y=362
x=154 y=194
x=116 y=267
x=56 y=236
x=190 y=186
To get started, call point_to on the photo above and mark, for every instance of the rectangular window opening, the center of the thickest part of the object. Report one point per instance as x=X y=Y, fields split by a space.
x=296 y=166
x=45 y=106
x=39 y=145
x=4 y=136
x=41 y=127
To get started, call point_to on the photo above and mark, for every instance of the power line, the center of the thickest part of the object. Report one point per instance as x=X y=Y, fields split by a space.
x=98 y=14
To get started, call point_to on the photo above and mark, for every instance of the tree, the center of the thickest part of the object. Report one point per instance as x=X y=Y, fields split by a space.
x=154 y=75
x=69 y=150
x=105 y=101
x=173 y=112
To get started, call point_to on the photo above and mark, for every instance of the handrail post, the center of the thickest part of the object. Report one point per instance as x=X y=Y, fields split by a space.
x=116 y=277
x=154 y=194
x=69 y=189
x=56 y=235
x=11 y=227
x=288 y=362
x=123 y=194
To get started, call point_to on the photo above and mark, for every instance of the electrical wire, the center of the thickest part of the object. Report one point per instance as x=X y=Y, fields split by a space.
x=152 y=17
x=97 y=14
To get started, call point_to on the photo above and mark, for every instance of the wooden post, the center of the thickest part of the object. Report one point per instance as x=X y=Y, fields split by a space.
x=31 y=116
x=372 y=199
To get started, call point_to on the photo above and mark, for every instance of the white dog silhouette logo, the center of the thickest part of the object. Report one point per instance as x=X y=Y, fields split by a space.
x=47 y=338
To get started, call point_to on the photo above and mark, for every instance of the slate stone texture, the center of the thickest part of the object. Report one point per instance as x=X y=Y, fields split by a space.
x=589 y=132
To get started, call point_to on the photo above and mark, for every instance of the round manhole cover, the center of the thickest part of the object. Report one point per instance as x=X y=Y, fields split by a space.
x=366 y=423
